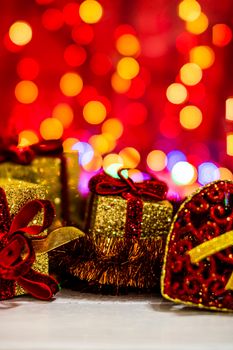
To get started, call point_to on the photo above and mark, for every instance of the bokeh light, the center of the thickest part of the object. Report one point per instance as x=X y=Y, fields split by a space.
x=130 y=156
x=94 y=112
x=27 y=138
x=207 y=172
x=224 y=174
x=90 y=11
x=174 y=157
x=100 y=63
x=183 y=173
x=135 y=113
x=112 y=163
x=85 y=152
x=75 y=55
x=119 y=84
x=136 y=175
x=51 y=129
x=203 y=56
x=189 y=10
x=64 y=113
x=229 y=108
x=28 y=68
x=221 y=34
x=190 y=117
x=127 y=68
x=83 y=34
x=94 y=164
x=114 y=127
x=20 y=33
x=156 y=160
x=199 y=25
x=190 y=74
x=26 y=91
x=52 y=19
x=128 y=45
x=176 y=93
x=99 y=143
x=69 y=143
x=71 y=13
x=71 y=84
x=229 y=147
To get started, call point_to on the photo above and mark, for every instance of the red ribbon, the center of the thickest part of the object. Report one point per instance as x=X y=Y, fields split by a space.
x=154 y=189
x=17 y=254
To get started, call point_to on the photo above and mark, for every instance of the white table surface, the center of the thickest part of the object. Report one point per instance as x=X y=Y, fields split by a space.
x=87 y=321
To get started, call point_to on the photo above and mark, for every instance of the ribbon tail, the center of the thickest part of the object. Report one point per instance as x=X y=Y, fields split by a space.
x=40 y=286
x=56 y=238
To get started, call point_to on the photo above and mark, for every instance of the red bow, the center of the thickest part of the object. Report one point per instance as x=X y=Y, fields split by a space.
x=17 y=254
x=25 y=155
x=104 y=184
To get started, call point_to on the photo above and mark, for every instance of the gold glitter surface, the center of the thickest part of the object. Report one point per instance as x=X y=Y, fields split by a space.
x=47 y=171
x=18 y=193
x=108 y=218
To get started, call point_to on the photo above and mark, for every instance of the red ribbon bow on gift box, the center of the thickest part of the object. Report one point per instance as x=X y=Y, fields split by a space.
x=9 y=151
x=153 y=189
x=17 y=254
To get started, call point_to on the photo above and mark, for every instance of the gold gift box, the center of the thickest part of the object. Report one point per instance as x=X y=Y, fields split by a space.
x=48 y=171
x=107 y=220
x=19 y=193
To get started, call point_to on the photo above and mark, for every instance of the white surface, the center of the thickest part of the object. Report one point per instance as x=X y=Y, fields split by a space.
x=87 y=321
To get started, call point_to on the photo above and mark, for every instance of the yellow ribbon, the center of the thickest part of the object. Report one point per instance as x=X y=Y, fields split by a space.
x=211 y=247
x=56 y=238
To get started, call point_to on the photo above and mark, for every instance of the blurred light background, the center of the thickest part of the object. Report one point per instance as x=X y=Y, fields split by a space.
x=142 y=84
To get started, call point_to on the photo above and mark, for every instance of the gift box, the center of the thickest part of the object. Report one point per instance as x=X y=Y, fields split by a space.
x=24 y=242
x=198 y=262
x=45 y=164
x=127 y=225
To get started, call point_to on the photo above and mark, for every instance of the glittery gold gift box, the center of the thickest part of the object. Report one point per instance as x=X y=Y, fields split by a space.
x=108 y=219
x=107 y=258
x=56 y=173
x=19 y=193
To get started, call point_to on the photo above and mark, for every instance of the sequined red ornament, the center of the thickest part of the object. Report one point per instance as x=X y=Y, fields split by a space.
x=198 y=263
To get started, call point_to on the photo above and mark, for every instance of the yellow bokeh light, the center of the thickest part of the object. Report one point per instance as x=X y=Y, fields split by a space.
x=94 y=112
x=130 y=156
x=199 y=25
x=119 y=84
x=230 y=144
x=190 y=74
x=225 y=174
x=190 y=117
x=26 y=91
x=51 y=129
x=90 y=11
x=27 y=138
x=95 y=163
x=112 y=163
x=20 y=33
x=176 y=93
x=114 y=127
x=128 y=45
x=111 y=141
x=64 y=113
x=71 y=84
x=203 y=56
x=156 y=160
x=69 y=143
x=189 y=10
x=99 y=143
x=229 y=108
x=128 y=68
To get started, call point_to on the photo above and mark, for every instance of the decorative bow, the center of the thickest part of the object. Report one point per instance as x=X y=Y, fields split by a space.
x=25 y=155
x=104 y=184
x=18 y=250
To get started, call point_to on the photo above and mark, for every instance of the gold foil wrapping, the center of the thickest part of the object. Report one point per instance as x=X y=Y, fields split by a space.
x=18 y=193
x=107 y=258
x=47 y=171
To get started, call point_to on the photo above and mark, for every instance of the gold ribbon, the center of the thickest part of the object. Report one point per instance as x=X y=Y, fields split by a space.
x=56 y=238
x=211 y=247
